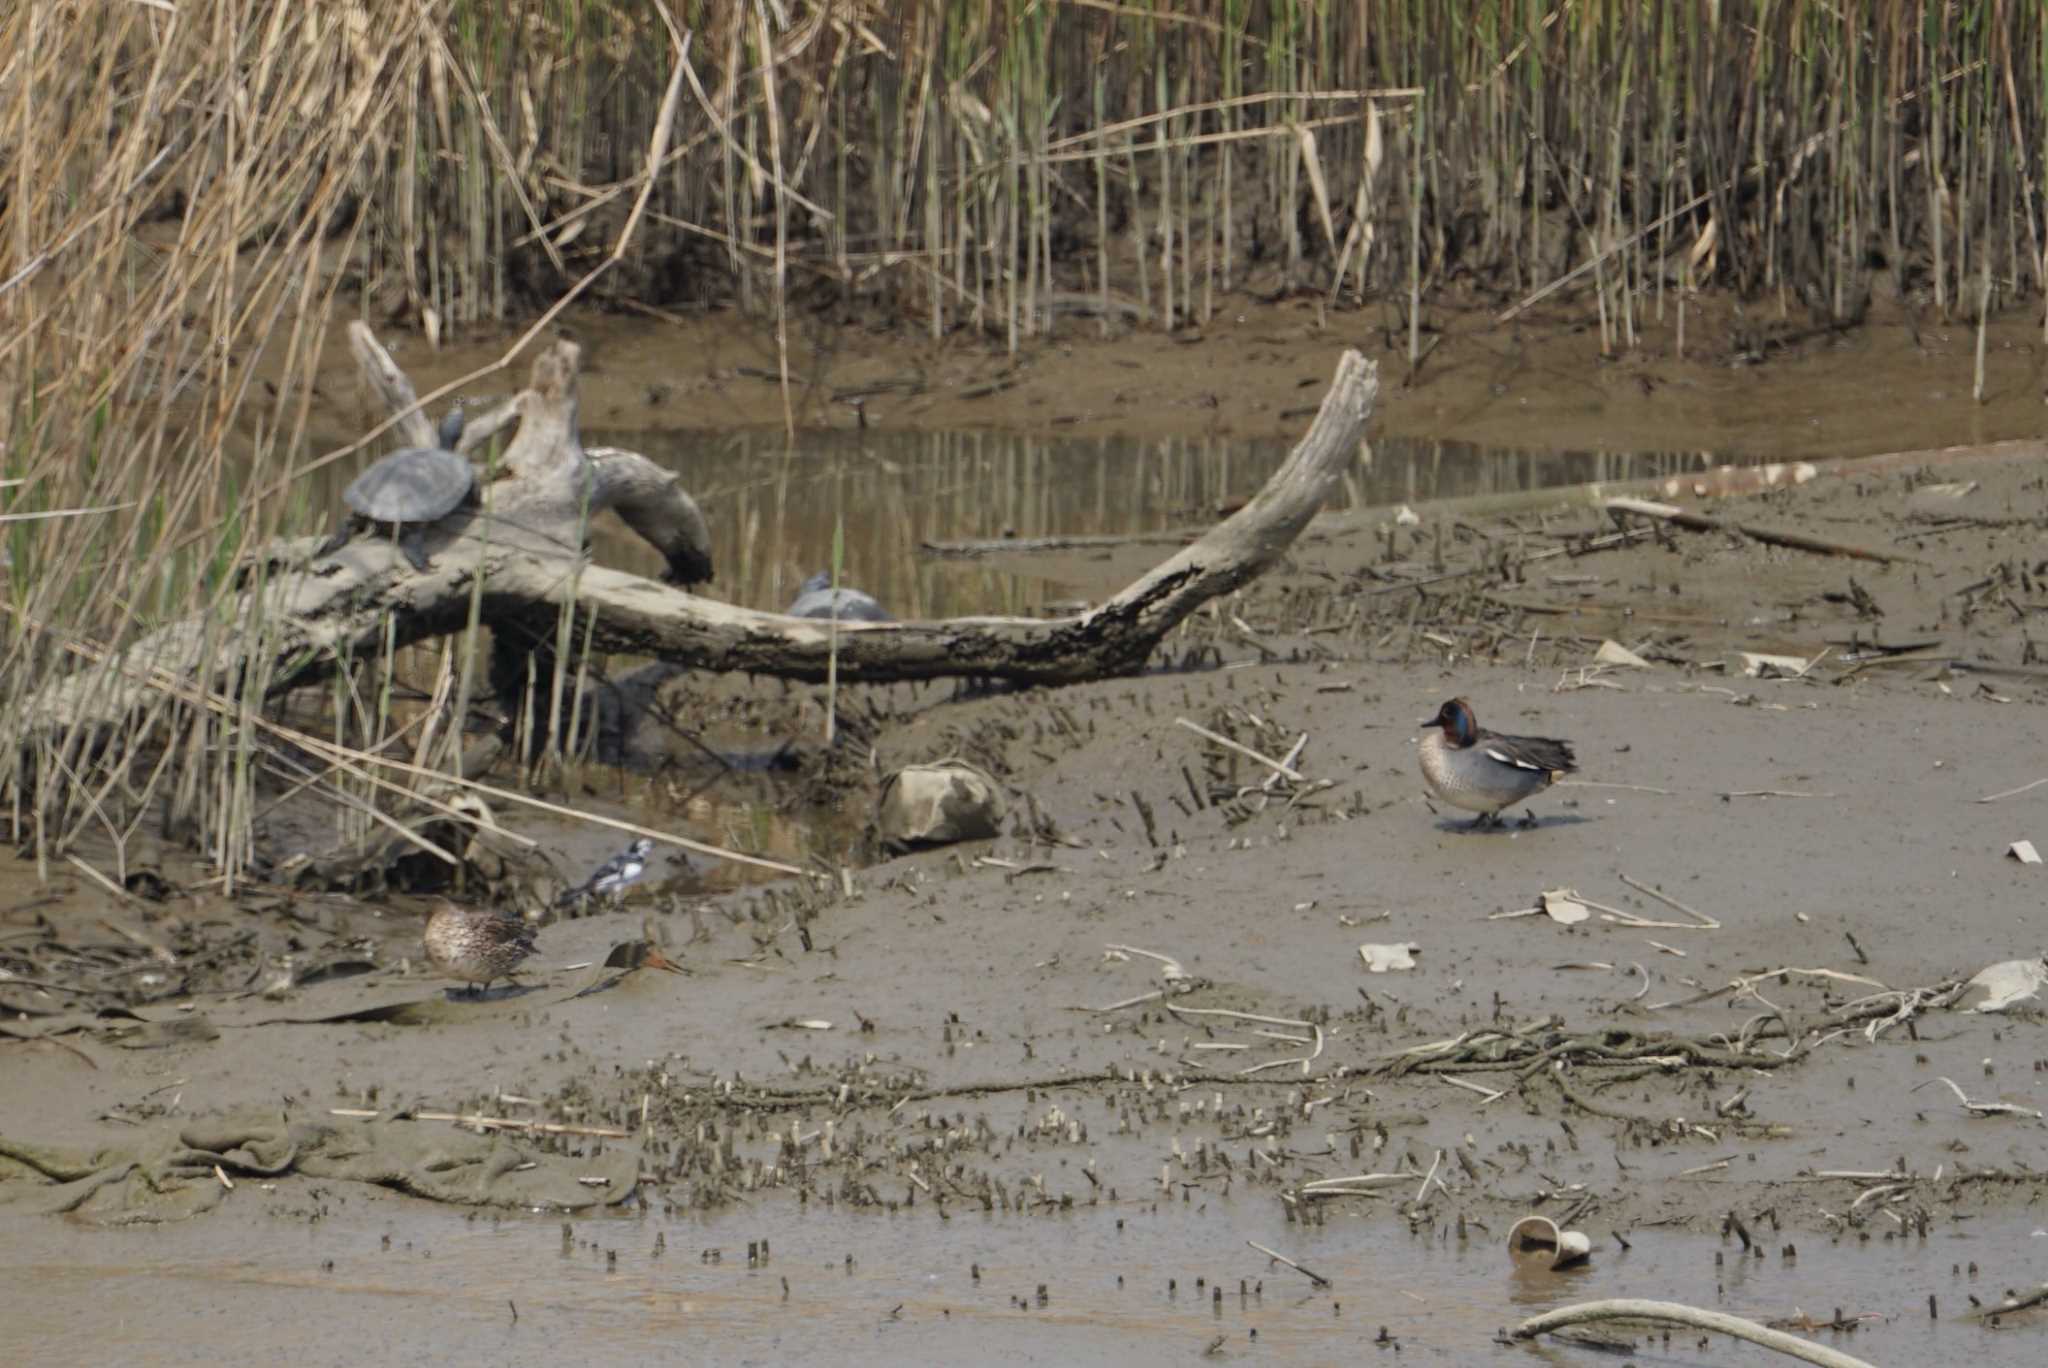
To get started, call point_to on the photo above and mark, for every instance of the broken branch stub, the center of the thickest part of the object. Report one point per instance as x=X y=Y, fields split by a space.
x=523 y=542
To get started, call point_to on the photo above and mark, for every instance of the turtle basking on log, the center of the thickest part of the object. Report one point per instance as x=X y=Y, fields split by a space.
x=408 y=490
x=323 y=621
x=817 y=598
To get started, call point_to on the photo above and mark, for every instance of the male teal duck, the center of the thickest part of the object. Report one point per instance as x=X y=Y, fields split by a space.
x=1482 y=771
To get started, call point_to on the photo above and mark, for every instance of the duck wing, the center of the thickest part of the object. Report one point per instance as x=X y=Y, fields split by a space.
x=520 y=933
x=1544 y=753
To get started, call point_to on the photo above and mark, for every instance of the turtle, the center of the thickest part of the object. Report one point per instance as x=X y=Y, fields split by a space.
x=406 y=491
x=816 y=598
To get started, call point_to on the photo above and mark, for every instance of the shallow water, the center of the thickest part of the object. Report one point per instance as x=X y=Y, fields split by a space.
x=773 y=506
x=1132 y=1283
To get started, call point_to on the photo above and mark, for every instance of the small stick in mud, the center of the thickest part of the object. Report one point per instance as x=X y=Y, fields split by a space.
x=1318 y=1279
x=1356 y=1185
x=1276 y=766
x=536 y=1127
x=1304 y=1061
x=1286 y=762
x=1489 y=1094
x=2012 y=793
x=1629 y=919
x=1127 y=1002
x=1171 y=971
x=1771 y=793
x=1985 y=1108
x=1598 y=783
x=2012 y=1302
x=1430 y=1177
x=1796 y=541
x=1749 y=981
x=1706 y=923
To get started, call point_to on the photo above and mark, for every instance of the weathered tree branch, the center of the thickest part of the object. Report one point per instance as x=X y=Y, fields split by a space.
x=1719 y=1322
x=524 y=542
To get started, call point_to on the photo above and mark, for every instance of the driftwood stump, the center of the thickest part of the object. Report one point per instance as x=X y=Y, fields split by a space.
x=521 y=553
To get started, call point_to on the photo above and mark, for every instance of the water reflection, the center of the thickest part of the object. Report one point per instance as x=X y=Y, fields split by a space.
x=772 y=506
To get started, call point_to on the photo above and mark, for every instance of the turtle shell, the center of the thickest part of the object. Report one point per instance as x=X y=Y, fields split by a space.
x=415 y=485
x=816 y=598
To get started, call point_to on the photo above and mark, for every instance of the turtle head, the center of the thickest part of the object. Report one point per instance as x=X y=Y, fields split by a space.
x=687 y=565
x=451 y=428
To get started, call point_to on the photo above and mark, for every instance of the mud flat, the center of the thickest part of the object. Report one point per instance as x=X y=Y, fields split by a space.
x=1029 y=1099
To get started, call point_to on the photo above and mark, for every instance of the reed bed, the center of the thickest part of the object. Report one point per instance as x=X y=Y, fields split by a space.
x=192 y=191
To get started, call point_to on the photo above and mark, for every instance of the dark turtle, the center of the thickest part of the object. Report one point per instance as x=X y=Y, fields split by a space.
x=407 y=490
x=818 y=599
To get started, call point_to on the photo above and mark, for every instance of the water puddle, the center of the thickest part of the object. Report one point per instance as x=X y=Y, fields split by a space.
x=773 y=507
x=1131 y=1283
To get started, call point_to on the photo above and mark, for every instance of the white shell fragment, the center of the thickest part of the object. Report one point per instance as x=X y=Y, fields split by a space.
x=2024 y=852
x=1773 y=666
x=2005 y=984
x=1612 y=652
x=1562 y=905
x=1380 y=958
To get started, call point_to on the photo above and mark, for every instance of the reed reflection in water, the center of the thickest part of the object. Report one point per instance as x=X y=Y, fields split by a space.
x=772 y=505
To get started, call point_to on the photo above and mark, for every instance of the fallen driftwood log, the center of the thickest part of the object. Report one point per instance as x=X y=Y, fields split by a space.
x=516 y=562
x=1700 y=522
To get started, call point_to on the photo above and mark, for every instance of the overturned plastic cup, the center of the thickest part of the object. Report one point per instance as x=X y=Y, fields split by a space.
x=1536 y=1242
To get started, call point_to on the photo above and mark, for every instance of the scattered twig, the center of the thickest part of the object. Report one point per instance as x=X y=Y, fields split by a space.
x=1171 y=969
x=2011 y=1303
x=1596 y=783
x=1304 y=1061
x=1489 y=1094
x=1706 y=923
x=1622 y=917
x=104 y=882
x=1318 y=1279
x=1746 y=983
x=2012 y=793
x=1599 y=543
x=1986 y=1108
x=533 y=1127
x=1772 y=793
x=1356 y=1185
x=1797 y=541
x=1153 y=996
x=1276 y=766
x=1286 y=763
x=1430 y=1177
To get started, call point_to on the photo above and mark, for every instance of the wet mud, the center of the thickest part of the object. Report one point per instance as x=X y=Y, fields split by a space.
x=1028 y=1100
